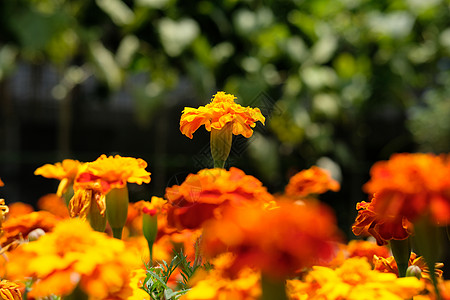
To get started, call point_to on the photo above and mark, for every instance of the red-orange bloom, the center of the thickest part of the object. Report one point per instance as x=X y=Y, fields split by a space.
x=279 y=242
x=382 y=228
x=311 y=181
x=221 y=111
x=411 y=186
x=204 y=195
x=115 y=172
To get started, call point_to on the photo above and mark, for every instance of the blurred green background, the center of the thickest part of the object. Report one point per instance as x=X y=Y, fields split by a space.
x=342 y=83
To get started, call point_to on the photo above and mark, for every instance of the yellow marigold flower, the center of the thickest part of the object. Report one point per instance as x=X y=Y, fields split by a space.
x=221 y=111
x=215 y=284
x=73 y=254
x=136 y=283
x=354 y=280
x=65 y=172
x=9 y=290
x=115 y=172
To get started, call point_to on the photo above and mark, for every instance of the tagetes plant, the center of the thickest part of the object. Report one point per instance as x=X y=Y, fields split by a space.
x=75 y=255
x=309 y=182
x=205 y=195
x=354 y=280
x=223 y=117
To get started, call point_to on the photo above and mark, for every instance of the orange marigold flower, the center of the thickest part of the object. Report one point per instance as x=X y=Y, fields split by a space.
x=19 y=227
x=9 y=290
x=18 y=209
x=73 y=254
x=412 y=185
x=383 y=228
x=354 y=280
x=54 y=204
x=311 y=181
x=359 y=248
x=203 y=195
x=221 y=111
x=389 y=265
x=87 y=194
x=115 y=172
x=279 y=242
x=65 y=172
x=1 y=182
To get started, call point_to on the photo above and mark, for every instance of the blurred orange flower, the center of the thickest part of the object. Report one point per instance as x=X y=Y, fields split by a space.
x=73 y=254
x=359 y=248
x=54 y=204
x=20 y=226
x=311 y=181
x=18 y=209
x=204 y=195
x=115 y=172
x=412 y=185
x=9 y=290
x=221 y=111
x=65 y=172
x=354 y=280
x=279 y=242
x=382 y=227
x=1 y=182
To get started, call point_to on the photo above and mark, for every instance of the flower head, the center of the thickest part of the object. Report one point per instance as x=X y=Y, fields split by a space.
x=354 y=280
x=73 y=254
x=9 y=290
x=221 y=111
x=115 y=172
x=383 y=228
x=65 y=172
x=279 y=242
x=411 y=186
x=86 y=194
x=311 y=181
x=204 y=195
x=54 y=204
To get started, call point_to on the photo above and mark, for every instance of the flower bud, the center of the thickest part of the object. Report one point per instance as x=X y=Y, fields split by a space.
x=35 y=234
x=414 y=271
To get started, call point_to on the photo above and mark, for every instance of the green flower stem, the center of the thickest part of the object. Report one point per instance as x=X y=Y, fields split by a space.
x=429 y=243
x=221 y=144
x=150 y=230
x=401 y=249
x=67 y=195
x=273 y=288
x=117 y=210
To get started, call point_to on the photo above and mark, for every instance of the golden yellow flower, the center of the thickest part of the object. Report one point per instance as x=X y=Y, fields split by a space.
x=221 y=111
x=115 y=172
x=65 y=172
x=215 y=284
x=73 y=254
x=354 y=280
x=136 y=284
x=9 y=291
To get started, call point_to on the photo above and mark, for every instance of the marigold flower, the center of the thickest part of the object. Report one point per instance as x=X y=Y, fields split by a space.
x=9 y=290
x=382 y=227
x=411 y=186
x=215 y=284
x=87 y=194
x=221 y=111
x=204 y=195
x=19 y=227
x=359 y=248
x=311 y=181
x=115 y=172
x=279 y=242
x=73 y=254
x=136 y=283
x=354 y=280
x=53 y=204
x=65 y=172
x=389 y=265
x=18 y=209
